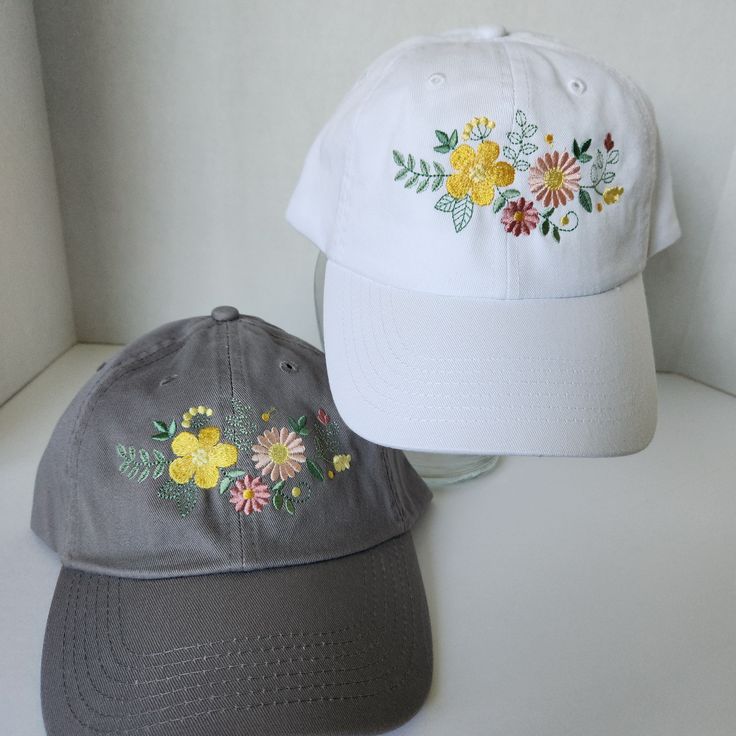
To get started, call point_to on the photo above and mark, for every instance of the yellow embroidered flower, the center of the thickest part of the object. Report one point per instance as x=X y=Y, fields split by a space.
x=478 y=172
x=341 y=462
x=193 y=411
x=489 y=125
x=611 y=195
x=201 y=457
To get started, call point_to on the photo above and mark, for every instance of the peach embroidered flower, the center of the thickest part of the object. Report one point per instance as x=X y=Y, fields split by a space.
x=249 y=494
x=555 y=178
x=519 y=217
x=478 y=172
x=279 y=453
x=201 y=457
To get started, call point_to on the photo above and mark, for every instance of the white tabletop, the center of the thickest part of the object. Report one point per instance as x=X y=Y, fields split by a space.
x=568 y=597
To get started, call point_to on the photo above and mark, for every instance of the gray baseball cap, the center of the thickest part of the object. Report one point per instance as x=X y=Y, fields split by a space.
x=235 y=559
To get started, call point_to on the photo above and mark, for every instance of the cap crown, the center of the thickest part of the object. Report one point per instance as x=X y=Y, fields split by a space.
x=482 y=165
x=134 y=483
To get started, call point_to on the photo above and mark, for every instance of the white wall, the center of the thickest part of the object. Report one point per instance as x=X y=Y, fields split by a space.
x=36 y=322
x=180 y=127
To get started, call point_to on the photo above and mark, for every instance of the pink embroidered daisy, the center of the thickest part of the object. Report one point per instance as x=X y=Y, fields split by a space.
x=249 y=494
x=519 y=217
x=279 y=453
x=555 y=178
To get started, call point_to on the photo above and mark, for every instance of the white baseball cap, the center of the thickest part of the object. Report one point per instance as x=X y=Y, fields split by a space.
x=487 y=202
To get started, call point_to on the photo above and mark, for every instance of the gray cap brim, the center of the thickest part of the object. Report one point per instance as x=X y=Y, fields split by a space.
x=335 y=647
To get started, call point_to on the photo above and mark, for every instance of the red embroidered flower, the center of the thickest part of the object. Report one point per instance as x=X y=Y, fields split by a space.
x=519 y=217
x=608 y=142
x=323 y=416
x=249 y=494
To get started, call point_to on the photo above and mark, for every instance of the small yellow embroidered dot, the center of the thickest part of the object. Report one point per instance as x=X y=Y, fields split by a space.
x=296 y=491
x=599 y=206
x=549 y=138
x=266 y=416
x=565 y=220
x=330 y=474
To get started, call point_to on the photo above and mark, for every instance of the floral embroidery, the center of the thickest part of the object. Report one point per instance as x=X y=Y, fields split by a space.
x=480 y=177
x=203 y=461
x=193 y=416
x=249 y=494
x=519 y=216
x=341 y=462
x=279 y=453
x=201 y=457
x=555 y=178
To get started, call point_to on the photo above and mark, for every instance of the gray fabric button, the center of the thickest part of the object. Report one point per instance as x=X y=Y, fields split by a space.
x=225 y=314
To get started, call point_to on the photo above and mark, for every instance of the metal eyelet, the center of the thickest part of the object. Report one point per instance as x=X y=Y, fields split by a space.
x=436 y=80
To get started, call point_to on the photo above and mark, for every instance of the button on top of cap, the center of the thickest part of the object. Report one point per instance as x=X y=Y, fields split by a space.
x=225 y=314
x=492 y=31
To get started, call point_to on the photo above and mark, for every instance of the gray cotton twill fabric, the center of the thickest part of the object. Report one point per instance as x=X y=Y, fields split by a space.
x=235 y=560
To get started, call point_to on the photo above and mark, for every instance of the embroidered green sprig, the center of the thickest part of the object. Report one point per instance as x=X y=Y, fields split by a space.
x=520 y=145
x=421 y=178
x=138 y=464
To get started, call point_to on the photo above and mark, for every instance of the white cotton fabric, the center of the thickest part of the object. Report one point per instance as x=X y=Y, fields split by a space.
x=448 y=318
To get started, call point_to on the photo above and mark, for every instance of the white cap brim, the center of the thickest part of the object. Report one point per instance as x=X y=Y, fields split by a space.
x=422 y=372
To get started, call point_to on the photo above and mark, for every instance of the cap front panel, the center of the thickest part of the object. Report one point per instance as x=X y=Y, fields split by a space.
x=224 y=452
x=503 y=168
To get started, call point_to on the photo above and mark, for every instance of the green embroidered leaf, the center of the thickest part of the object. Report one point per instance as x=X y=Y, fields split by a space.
x=462 y=211
x=498 y=203
x=585 y=145
x=608 y=177
x=131 y=454
x=400 y=174
x=522 y=165
x=439 y=168
x=514 y=138
x=302 y=422
x=555 y=233
x=575 y=148
x=144 y=456
x=289 y=506
x=143 y=475
x=160 y=426
x=527 y=148
x=225 y=483
x=293 y=424
x=278 y=501
x=437 y=182
x=398 y=158
x=410 y=162
x=442 y=137
x=315 y=470
x=424 y=167
x=444 y=148
x=235 y=473
x=169 y=490
x=453 y=139
x=132 y=472
x=159 y=456
x=122 y=452
x=529 y=131
x=599 y=158
x=613 y=156
x=509 y=152
x=445 y=203
x=276 y=488
x=520 y=118
x=545 y=227
x=584 y=158
x=548 y=212
x=411 y=181
x=158 y=470
x=585 y=200
x=422 y=186
x=509 y=193
x=186 y=501
x=161 y=436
